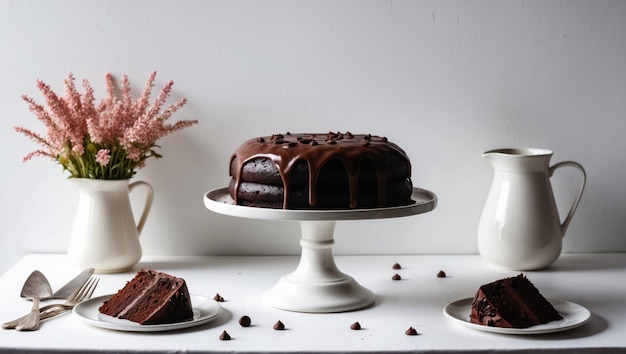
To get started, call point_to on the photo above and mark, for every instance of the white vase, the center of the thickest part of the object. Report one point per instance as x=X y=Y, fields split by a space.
x=105 y=235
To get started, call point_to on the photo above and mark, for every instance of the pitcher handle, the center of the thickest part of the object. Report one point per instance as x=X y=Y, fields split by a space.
x=147 y=205
x=572 y=209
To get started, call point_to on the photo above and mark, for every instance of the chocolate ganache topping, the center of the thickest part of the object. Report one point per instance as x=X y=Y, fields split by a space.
x=286 y=150
x=485 y=314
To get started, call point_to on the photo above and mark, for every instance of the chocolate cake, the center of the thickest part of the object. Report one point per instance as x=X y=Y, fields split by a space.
x=320 y=171
x=511 y=303
x=151 y=298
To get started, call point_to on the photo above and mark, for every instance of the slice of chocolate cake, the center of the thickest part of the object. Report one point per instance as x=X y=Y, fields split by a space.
x=511 y=303
x=150 y=298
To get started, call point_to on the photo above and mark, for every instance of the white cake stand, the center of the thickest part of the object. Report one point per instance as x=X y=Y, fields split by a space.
x=317 y=285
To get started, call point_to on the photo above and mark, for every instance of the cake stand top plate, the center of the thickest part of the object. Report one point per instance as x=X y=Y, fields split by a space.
x=219 y=201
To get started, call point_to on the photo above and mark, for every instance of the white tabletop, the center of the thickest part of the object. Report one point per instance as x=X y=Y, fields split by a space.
x=595 y=281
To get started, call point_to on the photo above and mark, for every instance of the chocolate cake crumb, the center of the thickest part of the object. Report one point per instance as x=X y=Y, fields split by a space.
x=355 y=326
x=279 y=326
x=245 y=321
x=224 y=336
x=396 y=277
x=396 y=266
x=410 y=332
x=218 y=298
x=441 y=274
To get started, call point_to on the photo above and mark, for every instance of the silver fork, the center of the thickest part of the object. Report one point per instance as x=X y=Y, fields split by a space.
x=81 y=294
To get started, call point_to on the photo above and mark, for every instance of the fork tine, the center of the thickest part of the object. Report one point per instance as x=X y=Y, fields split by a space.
x=86 y=289
x=91 y=289
x=76 y=292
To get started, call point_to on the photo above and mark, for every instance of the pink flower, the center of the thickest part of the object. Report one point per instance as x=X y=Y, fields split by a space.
x=134 y=154
x=103 y=156
x=108 y=141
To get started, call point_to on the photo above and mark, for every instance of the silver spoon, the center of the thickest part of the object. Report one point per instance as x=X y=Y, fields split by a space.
x=35 y=288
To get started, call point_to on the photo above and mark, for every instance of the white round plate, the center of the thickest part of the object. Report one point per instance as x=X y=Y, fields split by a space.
x=219 y=201
x=573 y=315
x=204 y=310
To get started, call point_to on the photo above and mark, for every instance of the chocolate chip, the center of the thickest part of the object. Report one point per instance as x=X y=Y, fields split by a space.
x=355 y=326
x=218 y=298
x=396 y=277
x=410 y=332
x=396 y=266
x=441 y=274
x=279 y=326
x=224 y=336
x=276 y=137
x=245 y=321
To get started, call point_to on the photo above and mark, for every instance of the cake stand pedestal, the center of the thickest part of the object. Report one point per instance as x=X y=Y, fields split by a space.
x=317 y=285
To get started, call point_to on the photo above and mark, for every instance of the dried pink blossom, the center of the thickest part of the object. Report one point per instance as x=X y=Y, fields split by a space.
x=103 y=156
x=109 y=141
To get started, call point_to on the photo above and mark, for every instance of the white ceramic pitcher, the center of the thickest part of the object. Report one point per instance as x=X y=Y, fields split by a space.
x=520 y=228
x=105 y=235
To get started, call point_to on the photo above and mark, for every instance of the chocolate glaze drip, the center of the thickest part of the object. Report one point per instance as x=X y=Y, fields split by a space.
x=316 y=150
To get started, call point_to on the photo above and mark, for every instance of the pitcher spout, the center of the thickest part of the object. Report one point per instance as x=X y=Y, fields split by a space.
x=518 y=158
x=512 y=152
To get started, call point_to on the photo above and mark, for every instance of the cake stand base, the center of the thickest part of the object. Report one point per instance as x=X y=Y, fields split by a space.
x=317 y=285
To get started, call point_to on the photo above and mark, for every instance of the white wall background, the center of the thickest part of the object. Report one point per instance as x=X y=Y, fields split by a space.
x=445 y=80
